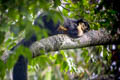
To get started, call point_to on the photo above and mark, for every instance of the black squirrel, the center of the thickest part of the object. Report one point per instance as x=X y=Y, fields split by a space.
x=71 y=27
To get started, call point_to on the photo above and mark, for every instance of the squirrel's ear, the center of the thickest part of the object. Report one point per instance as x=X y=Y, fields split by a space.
x=79 y=21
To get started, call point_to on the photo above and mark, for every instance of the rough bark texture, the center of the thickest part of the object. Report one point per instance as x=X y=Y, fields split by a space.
x=61 y=41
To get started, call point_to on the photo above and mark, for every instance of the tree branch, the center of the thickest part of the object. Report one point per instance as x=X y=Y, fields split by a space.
x=62 y=42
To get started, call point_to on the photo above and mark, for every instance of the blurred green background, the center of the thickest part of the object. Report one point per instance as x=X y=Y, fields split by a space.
x=16 y=22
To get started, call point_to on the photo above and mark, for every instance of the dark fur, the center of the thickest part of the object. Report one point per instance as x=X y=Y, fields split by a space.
x=70 y=24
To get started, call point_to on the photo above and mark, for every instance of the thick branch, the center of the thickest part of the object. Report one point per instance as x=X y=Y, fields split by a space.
x=61 y=41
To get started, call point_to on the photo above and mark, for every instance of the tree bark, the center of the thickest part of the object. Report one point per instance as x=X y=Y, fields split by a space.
x=63 y=42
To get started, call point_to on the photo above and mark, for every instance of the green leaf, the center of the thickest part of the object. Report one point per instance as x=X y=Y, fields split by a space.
x=2 y=37
x=59 y=59
x=2 y=70
x=42 y=60
x=57 y=3
x=24 y=51
x=64 y=66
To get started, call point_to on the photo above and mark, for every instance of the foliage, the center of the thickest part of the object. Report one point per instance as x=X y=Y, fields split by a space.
x=16 y=22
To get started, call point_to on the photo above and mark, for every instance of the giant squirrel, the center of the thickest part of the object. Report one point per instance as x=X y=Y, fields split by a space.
x=71 y=27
